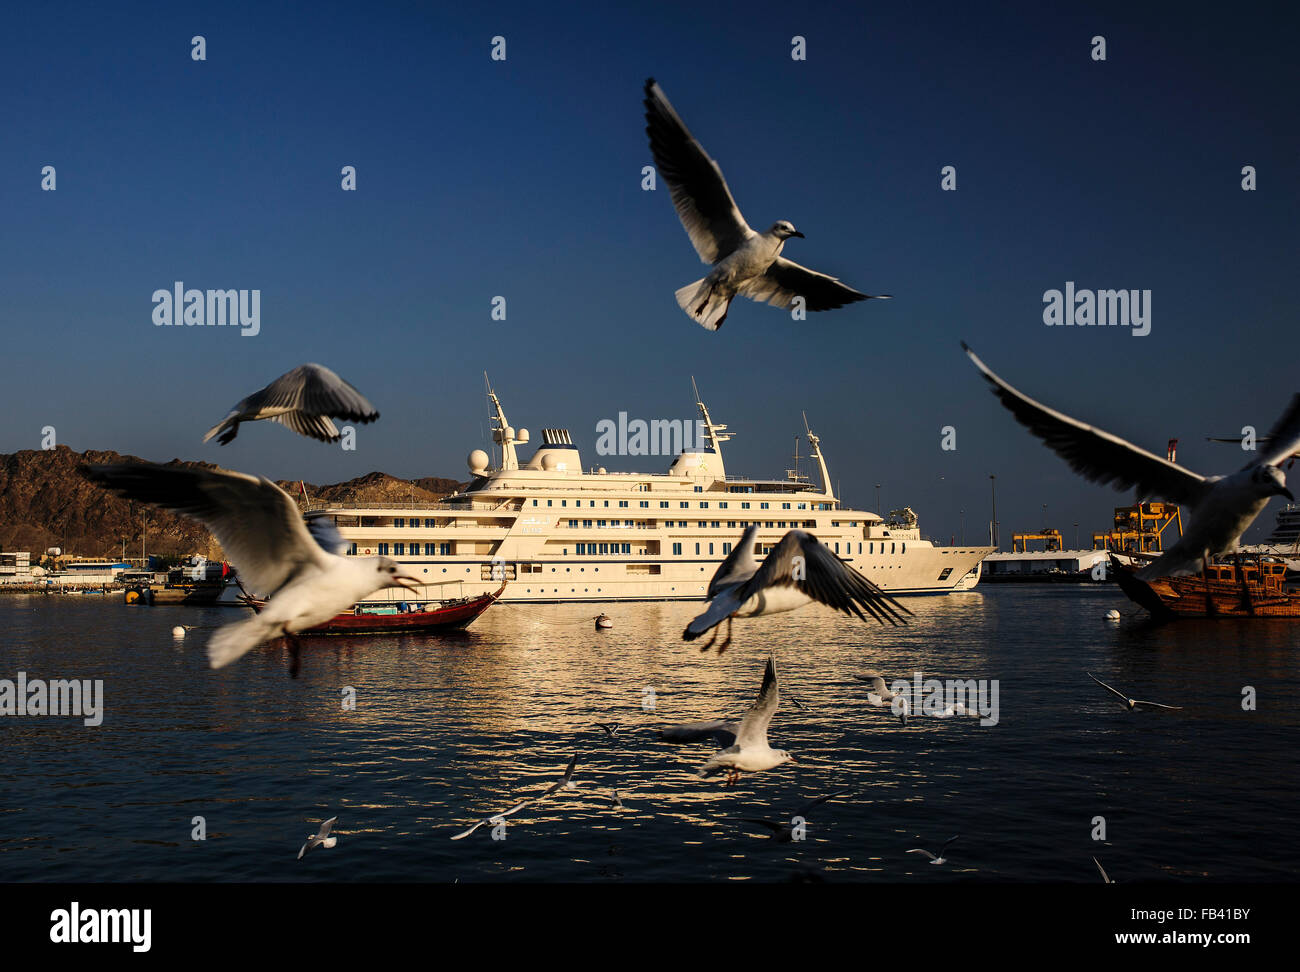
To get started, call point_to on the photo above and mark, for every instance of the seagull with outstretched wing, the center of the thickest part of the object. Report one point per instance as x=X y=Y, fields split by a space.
x=744 y=262
x=783 y=831
x=751 y=752
x=303 y=400
x=321 y=838
x=798 y=571
x=935 y=858
x=1131 y=704
x=306 y=580
x=1222 y=507
x=565 y=782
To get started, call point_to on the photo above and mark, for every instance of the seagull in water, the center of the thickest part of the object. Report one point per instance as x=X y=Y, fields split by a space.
x=751 y=752
x=1104 y=876
x=783 y=832
x=744 y=262
x=1131 y=704
x=798 y=571
x=1222 y=507
x=880 y=695
x=300 y=567
x=565 y=782
x=302 y=400
x=322 y=838
x=935 y=858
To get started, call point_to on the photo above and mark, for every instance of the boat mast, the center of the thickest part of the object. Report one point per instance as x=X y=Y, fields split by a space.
x=502 y=434
x=814 y=441
x=714 y=435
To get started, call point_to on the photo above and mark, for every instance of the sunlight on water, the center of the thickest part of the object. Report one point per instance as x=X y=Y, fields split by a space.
x=450 y=729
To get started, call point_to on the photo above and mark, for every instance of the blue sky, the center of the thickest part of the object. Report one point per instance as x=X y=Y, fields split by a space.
x=521 y=178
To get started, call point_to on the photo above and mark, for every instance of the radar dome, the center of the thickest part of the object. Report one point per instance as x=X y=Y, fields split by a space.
x=478 y=461
x=523 y=435
x=550 y=461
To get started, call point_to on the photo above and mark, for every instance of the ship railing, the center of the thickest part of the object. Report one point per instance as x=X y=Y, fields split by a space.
x=316 y=505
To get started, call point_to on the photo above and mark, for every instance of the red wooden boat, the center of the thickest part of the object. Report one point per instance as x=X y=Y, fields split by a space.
x=449 y=615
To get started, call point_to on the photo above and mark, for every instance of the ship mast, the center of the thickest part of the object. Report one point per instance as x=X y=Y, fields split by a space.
x=502 y=434
x=814 y=441
x=714 y=435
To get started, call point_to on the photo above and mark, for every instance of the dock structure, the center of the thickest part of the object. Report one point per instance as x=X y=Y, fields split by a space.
x=1140 y=528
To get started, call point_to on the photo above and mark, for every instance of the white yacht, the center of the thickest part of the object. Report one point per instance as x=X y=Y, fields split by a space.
x=556 y=532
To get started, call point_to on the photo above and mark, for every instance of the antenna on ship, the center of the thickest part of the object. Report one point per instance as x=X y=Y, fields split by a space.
x=502 y=434
x=714 y=434
x=794 y=475
x=816 y=454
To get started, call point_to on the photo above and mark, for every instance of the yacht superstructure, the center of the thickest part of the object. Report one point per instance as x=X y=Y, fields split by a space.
x=555 y=532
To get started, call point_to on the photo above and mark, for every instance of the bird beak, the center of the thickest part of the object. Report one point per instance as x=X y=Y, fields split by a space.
x=1287 y=493
x=411 y=583
x=798 y=234
x=793 y=760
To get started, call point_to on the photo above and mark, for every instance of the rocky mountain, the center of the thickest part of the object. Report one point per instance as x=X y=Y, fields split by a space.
x=45 y=502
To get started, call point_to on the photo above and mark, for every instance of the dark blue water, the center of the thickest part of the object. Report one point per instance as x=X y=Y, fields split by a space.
x=449 y=729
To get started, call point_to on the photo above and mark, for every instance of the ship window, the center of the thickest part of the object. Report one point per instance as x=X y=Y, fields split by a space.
x=534 y=502
x=697 y=549
x=785 y=506
x=663 y=504
x=428 y=523
x=645 y=504
x=716 y=524
x=762 y=506
x=744 y=506
x=428 y=549
x=871 y=548
x=600 y=523
x=399 y=549
x=622 y=503
x=573 y=524
x=564 y=502
x=859 y=548
x=399 y=522
x=904 y=546
x=548 y=502
x=943 y=574
x=383 y=549
x=837 y=546
x=677 y=549
x=352 y=549
x=684 y=505
x=704 y=506
x=607 y=502
x=722 y=506
x=627 y=548
x=710 y=550
x=587 y=524
x=444 y=549
x=891 y=547
x=726 y=548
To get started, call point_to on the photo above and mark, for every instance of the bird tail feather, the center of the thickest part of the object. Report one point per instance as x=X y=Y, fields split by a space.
x=236 y=640
x=715 y=305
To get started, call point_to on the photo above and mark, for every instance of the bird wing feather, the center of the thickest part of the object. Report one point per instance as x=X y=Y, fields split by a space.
x=1095 y=454
x=700 y=195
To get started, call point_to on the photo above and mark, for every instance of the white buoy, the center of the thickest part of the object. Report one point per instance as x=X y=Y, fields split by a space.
x=178 y=632
x=1112 y=615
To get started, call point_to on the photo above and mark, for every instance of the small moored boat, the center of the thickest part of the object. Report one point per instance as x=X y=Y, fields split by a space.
x=389 y=619
x=603 y=621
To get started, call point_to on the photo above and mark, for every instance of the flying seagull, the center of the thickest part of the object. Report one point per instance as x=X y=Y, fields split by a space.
x=259 y=527
x=783 y=831
x=798 y=571
x=302 y=400
x=1131 y=704
x=322 y=838
x=881 y=695
x=744 y=262
x=935 y=858
x=565 y=782
x=721 y=731
x=1222 y=507
x=751 y=752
